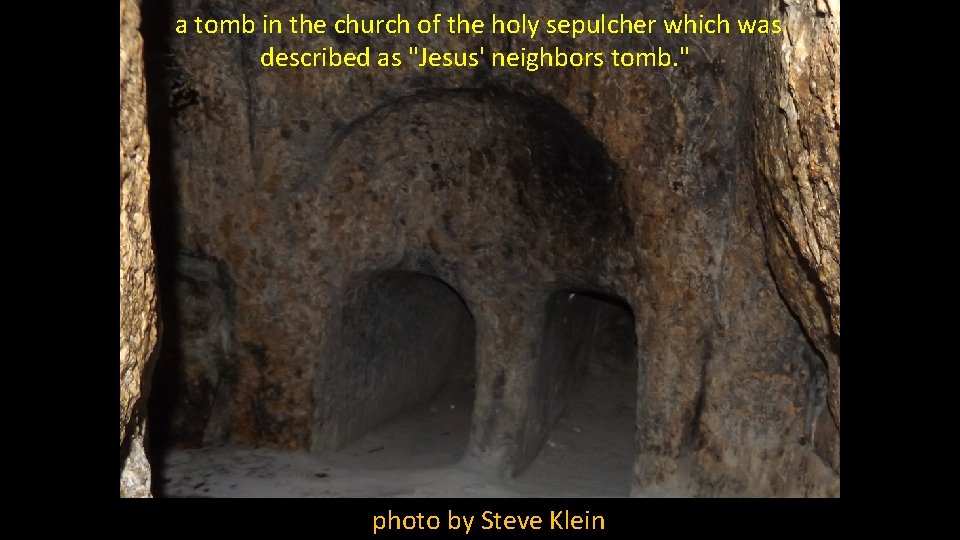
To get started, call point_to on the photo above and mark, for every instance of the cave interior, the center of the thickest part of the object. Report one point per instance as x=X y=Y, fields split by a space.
x=477 y=282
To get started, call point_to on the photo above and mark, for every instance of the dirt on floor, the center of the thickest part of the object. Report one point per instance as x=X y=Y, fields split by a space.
x=588 y=453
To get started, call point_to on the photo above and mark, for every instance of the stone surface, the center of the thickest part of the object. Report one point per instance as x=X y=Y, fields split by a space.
x=138 y=304
x=511 y=187
x=796 y=132
x=202 y=346
x=402 y=336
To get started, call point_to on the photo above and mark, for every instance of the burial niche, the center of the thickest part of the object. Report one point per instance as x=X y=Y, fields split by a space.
x=585 y=395
x=404 y=356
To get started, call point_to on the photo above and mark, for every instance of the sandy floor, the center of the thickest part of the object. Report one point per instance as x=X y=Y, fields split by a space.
x=588 y=453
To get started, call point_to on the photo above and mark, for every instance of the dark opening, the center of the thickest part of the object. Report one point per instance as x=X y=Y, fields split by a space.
x=587 y=390
x=402 y=374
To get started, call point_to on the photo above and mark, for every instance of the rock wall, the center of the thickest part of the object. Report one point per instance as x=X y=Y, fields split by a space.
x=796 y=132
x=509 y=186
x=138 y=301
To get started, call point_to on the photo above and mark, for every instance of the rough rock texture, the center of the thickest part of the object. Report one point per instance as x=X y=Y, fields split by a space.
x=501 y=196
x=511 y=187
x=138 y=302
x=796 y=131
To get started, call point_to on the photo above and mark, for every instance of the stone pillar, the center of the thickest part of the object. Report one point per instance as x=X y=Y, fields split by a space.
x=138 y=299
x=796 y=89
